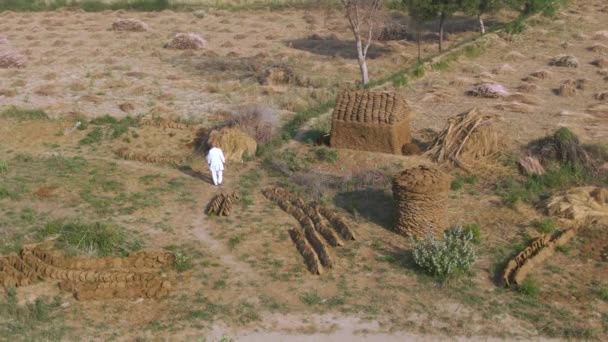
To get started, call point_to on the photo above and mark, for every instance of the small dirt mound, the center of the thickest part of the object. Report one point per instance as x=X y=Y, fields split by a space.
x=579 y=204
x=467 y=139
x=488 y=90
x=186 y=41
x=200 y=14
x=601 y=62
x=514 y=56
x=421 y=194
x=504 y=69
x=566 y=61
x=126 y=107
x=528 y=88
x=12 y=59
x=234 y=143
x=567 y=88
x=601 y=96
x=599 y=48
x=278 y=75
x=541 y=74
x=600 y=35
x=130 y=25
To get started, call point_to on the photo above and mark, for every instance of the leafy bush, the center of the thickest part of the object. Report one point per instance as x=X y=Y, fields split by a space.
x=3 y=166
x=444 y=258
x=259 y=122
x=326 y=154
x=90 y=238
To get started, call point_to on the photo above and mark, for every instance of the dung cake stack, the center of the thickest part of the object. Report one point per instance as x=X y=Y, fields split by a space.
x=421 y=194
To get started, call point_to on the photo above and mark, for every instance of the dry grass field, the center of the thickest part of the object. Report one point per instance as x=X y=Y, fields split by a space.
x=89 y=92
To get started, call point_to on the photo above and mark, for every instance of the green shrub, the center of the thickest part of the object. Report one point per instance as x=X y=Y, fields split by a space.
x=90 y=238
x=24 y=114
x=182 y=262
x=475 y=231
x=326 y=154
x=116 y=127
x=546 y=226
x=3 y=166
x=528 y=287
x=444 y=258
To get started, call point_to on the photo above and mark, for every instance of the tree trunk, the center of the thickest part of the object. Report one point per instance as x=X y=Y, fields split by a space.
x=362 y=62
x=482 y=27
x=441 y=22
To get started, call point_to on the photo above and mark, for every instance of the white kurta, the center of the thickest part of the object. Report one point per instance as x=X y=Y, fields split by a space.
x=215 y=159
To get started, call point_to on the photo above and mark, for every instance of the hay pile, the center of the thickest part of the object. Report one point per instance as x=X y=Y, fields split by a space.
x=12 y=59
x=131 y=25
x=488 y=90
x=467 y=139
x=421 y=194
x=566 y=61
x=528 y=88
x=601 y=96
x=567 y=88
x=579 y=203
x=233 y=142
x=530 y=166
x=186 y=41
x=564 y=148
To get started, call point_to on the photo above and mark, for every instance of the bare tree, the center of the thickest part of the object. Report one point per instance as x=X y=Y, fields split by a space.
x=361 y=15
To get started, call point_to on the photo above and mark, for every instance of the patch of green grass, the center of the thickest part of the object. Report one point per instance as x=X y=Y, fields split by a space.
x=460 y=180
x=219 y=284
x=529 y=287
x=546 y=226
x=3 y=166
x=93 y=137
x=441 y=65
x=475 y=230
x=96 y=238
x=531 y=189
x=311 y=297
x=24 y=114
x=234 y=241
x=116 y=127
x=326 y=155
x=602 y=292
x=473 y=51
x=31 y=321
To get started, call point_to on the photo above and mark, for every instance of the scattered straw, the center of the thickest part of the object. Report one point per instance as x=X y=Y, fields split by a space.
x=468 y=139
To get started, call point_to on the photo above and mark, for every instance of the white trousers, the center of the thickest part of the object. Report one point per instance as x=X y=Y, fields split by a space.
x=217 y=177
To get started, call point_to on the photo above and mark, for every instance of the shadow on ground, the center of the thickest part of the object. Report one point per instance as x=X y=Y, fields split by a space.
x=375 y=205
x=335 y=48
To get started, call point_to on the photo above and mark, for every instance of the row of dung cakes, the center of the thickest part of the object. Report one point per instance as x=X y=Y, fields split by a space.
x=370 y=107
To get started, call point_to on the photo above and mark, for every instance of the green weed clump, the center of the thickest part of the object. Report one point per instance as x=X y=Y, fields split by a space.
x=31 y=321
x=326 y=155
x=475 y=231
x=24 y=114
x=444 y=258
x=546 y=226
x=460 y=180
x=3 y=166
x=529 y=287
x=97 y=238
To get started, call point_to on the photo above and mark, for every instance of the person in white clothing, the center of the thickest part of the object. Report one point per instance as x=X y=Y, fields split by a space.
x=216 y=161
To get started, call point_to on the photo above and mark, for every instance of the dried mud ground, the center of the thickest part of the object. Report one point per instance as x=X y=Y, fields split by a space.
x=247 y=279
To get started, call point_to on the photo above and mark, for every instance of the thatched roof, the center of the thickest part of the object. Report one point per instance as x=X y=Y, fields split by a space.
x=370 y=107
